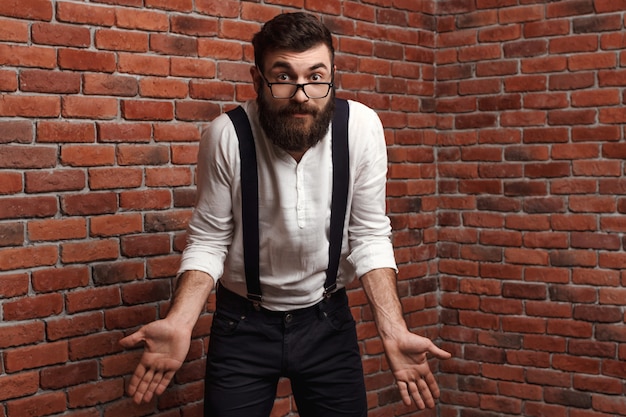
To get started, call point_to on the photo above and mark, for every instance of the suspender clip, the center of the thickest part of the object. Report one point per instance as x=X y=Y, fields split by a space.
x=330 y=290
x=256 y=300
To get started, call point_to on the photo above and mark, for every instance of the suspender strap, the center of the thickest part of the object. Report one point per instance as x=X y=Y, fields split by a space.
x=249 y=201
x=341 y=174
x=250 y=197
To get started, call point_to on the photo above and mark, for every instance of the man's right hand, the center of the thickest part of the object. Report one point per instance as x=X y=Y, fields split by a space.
x=165 y=349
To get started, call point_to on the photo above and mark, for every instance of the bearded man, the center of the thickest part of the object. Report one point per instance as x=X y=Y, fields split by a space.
x=290 y=209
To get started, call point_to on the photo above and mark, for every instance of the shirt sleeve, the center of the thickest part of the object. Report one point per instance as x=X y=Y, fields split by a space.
x=210 y=230
x=369 y=228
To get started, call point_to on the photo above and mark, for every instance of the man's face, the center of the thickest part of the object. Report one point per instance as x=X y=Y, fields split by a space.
x=296 y=123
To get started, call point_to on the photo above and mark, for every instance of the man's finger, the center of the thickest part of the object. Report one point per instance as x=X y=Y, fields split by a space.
x=131 y=340
x=414 y=390
x=404 y=392
x=439 y=353
x=426 y=394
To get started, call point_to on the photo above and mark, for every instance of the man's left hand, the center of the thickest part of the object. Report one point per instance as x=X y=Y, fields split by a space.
x=407 y=355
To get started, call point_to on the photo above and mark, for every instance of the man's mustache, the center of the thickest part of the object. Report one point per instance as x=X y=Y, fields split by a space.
x=296 y=108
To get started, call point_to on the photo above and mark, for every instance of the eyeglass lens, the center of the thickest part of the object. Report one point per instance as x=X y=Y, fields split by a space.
x=312 y=90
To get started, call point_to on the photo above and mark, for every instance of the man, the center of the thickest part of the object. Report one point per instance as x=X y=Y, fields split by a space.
x=282 y=309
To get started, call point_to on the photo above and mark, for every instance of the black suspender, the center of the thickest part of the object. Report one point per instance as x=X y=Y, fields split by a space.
x=250 y=197
x=341 y=174
x=249 y=201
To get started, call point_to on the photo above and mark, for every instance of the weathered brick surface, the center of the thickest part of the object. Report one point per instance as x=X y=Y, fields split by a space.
x=505 y=127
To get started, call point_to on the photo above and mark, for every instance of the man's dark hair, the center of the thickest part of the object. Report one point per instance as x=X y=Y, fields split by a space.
x=296 y=32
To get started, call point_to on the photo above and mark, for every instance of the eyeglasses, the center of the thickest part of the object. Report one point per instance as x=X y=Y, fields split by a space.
x=288 y=90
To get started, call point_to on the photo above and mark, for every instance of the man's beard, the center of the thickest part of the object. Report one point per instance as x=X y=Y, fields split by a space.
x=291 y=133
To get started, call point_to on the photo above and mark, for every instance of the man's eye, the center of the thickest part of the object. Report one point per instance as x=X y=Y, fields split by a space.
x=282 y=78
x=316 y=78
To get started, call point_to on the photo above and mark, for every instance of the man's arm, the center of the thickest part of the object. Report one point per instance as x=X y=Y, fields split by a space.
x=166 y=342
x=406 y=352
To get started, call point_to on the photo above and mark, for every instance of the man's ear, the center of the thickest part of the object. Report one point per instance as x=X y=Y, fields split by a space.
x=256 y=77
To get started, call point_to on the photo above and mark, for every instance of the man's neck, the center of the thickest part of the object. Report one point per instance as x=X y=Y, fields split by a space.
x=297 y=155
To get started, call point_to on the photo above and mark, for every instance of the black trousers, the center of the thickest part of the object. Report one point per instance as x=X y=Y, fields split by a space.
x=316 y=348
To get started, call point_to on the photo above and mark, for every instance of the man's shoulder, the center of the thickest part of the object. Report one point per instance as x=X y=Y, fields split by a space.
x=222 y=126
x=360 y=110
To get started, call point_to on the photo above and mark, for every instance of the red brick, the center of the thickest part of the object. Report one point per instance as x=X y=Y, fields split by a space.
x=143 y=19
x=89 y=108
x=96 y=393
x=65 y=132
x=14 y=30
x=33 y=307
x=184 y=155
x=116 y=224
x=199 y=111
x=35 y=356
x=547 y=28
x=170 y=221
x=19 y=385
x=28 y=257
x=93 y=299
x=61 y=35
x=132 y=63
x=168 y=177
x=22 y=207
x=56 y=180
x=173 y=45
x=143 y=154
x=193 y=67
x=124 y=132
x=121 y=40
x=82 y=60
x=499 y=33
x=582 y=62
x=145 y=245
x=55 y=279
x=177 y=132
x=154 y=87
x=147 y=110
x=19 y=131
x=11 y=184
x=42 y=81
x=111 y=178
x=573 y=43
x=90 y=14
x=88 y=155
x=146 y=292
x=129 y=317
x=163 y=267
x=89 y=251
x=105 y=84
x=12 y=285
x=145 y=200
x=22 y=334
x=29 y=106
x=57 y=229
x=68 y=375
x=32 y=9
x=179 y=5
x=74 y=325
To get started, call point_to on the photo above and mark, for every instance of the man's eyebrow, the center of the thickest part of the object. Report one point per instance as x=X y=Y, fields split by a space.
x=287 y=66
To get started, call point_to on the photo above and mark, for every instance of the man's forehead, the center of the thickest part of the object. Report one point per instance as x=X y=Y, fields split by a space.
x=317 y=57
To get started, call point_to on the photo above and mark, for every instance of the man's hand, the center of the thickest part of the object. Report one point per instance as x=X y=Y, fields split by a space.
x=165 y=349
x=406 y=352
x=407 y=356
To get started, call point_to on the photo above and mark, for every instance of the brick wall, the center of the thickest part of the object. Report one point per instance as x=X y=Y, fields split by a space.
x=505 y=130
x=530 y=165
x=101 y=108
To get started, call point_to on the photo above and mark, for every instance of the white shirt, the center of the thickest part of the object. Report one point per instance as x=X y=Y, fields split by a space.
x=294 y=211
